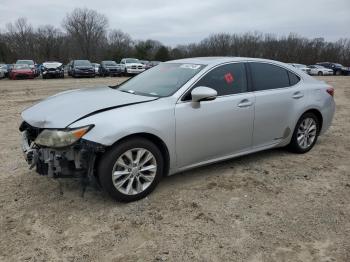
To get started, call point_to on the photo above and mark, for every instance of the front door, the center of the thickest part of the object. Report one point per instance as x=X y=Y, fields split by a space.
x=209 y=130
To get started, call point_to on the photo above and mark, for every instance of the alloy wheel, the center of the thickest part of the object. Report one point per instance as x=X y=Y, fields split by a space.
x=307 y=132
x=134 y=171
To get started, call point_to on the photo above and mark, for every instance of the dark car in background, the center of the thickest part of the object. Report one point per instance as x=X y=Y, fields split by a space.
x=22 y=71
x=152 y=64
x=109 y=68
x=338 y=69
x=31 y=65
x=52 y=70
x=81 y=68
x=9 y=69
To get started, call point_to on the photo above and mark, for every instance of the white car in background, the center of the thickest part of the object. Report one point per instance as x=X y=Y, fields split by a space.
x=3 y=70
x=131 y=66
x=96 y=67
x=302 y=67
x=320 y=70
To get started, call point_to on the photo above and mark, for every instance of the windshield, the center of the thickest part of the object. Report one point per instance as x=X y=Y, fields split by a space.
x=340 y=65
x=132 y=60
x=23 y=66
x=162 y=80
x=82 y=63
x=109 y=63
x=26 y=62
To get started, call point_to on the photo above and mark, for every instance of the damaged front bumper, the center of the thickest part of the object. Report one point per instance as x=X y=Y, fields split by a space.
x=73 y=161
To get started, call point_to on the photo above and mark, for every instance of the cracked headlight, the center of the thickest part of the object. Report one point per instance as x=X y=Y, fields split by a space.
x=61 y=137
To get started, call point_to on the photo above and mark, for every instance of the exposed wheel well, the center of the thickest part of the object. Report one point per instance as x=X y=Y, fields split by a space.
x=318 y=115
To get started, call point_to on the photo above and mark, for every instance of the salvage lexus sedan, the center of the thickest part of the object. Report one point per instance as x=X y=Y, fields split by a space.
x=176 y=116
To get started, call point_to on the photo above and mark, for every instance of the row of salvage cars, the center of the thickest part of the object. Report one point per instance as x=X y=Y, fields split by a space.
x=28 y=69
x=323 y=68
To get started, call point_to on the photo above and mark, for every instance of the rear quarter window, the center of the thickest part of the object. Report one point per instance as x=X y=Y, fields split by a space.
x=293 y=78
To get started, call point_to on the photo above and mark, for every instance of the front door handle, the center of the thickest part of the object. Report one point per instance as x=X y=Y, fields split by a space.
x=245 y=103
x=298 y=95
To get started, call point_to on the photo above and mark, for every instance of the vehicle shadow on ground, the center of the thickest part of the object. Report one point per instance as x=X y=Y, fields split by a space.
x=173 y=182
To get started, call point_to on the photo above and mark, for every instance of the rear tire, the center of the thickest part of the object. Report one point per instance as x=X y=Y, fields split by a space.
x=305 y=133
x=320 y=73
x=120 y=164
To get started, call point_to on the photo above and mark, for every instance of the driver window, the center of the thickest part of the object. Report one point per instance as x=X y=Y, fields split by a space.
x=226 y=80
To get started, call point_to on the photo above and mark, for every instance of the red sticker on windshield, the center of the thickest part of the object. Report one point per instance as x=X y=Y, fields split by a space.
x=229 y=78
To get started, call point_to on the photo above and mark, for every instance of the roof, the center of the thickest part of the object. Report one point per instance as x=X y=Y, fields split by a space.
x=214 y=60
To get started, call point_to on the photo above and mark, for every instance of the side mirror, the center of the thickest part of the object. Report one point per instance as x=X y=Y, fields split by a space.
x=203 y=93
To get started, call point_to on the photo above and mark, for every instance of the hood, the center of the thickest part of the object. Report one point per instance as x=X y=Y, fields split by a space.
x=134 y=64
x=52 y=65
x=22 y=70
x=61 y=110
x=84 y=67
x=112 y=66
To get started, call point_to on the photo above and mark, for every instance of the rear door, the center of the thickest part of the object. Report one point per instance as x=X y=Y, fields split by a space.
x=278 y=96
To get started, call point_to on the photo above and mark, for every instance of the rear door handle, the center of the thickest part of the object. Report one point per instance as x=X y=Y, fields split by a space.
x=298 y=95
x=245 y=103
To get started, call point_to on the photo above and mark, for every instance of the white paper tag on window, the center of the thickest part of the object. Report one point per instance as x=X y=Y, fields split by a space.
x=190 y=66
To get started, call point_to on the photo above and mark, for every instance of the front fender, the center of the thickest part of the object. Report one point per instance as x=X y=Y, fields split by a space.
x=156 y=118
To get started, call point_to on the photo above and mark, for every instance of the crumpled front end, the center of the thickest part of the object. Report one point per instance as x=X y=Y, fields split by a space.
x=71 y=161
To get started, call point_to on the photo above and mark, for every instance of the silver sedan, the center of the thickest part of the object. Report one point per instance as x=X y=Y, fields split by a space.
x=173 y=117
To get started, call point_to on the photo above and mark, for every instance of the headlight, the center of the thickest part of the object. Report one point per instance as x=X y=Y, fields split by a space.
x=61 y=137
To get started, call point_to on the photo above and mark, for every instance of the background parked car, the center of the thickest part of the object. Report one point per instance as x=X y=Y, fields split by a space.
x=301 y=67
x=109 y=68
x=52 y=69
x=144 y=62
x=152 y=64
x=96 y=67
x=81 y=68
x=22 y=72
x=338 y=69
x=31 y=65
x=9 y=69
x=2 y=73
x=320 y=70
x=131 y=66
x=3 y=70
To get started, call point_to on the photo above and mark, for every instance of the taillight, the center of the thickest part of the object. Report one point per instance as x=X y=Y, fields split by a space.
x=330 y=91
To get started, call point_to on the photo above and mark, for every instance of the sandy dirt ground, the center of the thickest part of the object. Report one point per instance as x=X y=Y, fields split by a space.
x=269 y=206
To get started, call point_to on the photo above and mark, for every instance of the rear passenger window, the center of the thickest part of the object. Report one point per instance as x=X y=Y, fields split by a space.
x=293 y=78
x=226 y=79
x=267 y=76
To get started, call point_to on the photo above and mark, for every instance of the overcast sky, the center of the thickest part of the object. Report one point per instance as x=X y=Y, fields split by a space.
x=184 y=21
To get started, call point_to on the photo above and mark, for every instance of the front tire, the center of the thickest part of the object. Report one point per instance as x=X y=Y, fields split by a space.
x=131 y=169
x=320 y=73
x=305 y=133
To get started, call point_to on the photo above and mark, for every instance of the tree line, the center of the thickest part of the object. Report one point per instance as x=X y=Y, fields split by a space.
x=85 y=35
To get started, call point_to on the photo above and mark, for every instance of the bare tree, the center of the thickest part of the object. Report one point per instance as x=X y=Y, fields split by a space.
x=120 y=45
x=87 y=30
x=21 y=37
x=86 y=36
x=49 y=42
x=147 y=49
